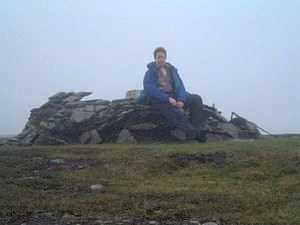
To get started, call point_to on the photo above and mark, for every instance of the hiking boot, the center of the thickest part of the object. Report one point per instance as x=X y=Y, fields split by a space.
x=179 y=134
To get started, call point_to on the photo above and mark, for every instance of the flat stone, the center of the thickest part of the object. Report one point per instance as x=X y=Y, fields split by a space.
x=59 y=96
x=76 y=96
x=100 y=107
x=125 y=137
x=79 y=115
x=133 y=94
x=89 y=108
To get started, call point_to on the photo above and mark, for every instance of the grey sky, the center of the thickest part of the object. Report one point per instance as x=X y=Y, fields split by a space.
x=241 y=55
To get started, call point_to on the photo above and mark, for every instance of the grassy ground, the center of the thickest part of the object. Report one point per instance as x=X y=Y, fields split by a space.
x=237 y=182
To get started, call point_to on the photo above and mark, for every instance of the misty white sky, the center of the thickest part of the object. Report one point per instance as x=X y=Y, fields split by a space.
x=241 y=55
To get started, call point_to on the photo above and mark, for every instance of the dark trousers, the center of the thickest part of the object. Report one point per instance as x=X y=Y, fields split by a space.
x=177 y=118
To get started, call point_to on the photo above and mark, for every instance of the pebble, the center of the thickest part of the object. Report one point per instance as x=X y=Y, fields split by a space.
x=97 y=187
x=194 y=222
x=210 y=223
x=57 y=161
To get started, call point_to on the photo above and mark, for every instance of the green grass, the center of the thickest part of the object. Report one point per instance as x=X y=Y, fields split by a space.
x=259 y=183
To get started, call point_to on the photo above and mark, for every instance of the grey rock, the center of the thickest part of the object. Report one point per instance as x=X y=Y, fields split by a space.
x=194 y=222
x=57 y=161
x=76 y=96
x=27 y=136
x=89 y=108
x=69 y=217
x=47 y=125
x=210 y=223
x=59 y=96
x=79 y=115
x=133 y=94
x=125 y=137
x=45 y=138
x=95 y=137
x=97 y=187
x=178 y=135
x=66 y=119
x=85 y=137
x=229 y=128
x=247 y=129
x=100 y=107
x=90 y=137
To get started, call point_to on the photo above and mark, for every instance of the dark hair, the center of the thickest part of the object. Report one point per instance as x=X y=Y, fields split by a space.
x=159 y=49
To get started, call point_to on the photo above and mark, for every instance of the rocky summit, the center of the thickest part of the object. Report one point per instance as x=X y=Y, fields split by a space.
x=67 y=119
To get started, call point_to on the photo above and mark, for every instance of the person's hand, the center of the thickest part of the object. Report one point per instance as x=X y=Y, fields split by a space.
x=179 y=104
x=172 y=101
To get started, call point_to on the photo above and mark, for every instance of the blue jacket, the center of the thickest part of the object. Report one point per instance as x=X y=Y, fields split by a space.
x=151 y=84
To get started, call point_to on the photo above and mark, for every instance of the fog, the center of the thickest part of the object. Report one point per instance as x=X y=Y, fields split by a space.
x=242 y=56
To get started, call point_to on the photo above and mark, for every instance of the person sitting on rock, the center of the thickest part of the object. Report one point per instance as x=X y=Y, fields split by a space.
x=165 y=91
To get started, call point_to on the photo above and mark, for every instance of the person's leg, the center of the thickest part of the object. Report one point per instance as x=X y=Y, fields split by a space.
x=175 y=117
x=195 y=105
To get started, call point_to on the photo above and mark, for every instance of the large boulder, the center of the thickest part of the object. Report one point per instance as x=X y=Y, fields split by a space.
x=66 y=119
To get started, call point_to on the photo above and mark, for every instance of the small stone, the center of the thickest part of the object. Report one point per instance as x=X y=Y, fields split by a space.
x=194 y=222
x=30 y=178
x=153 y=222
x=99 y=222
x=81 y=167
x=69 y=217
x=57 y=161
x=210 y=223
x=97 y=187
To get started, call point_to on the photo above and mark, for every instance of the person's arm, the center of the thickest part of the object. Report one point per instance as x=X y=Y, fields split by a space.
x=151 y=88
x=180 y=89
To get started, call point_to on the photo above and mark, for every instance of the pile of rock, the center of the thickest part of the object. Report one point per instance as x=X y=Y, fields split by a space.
x=66 y=119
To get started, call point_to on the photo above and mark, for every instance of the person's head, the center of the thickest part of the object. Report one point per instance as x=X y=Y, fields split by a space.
x=160 y=56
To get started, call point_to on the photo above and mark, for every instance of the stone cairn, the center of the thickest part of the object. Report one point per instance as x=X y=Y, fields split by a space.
x=66 y=119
